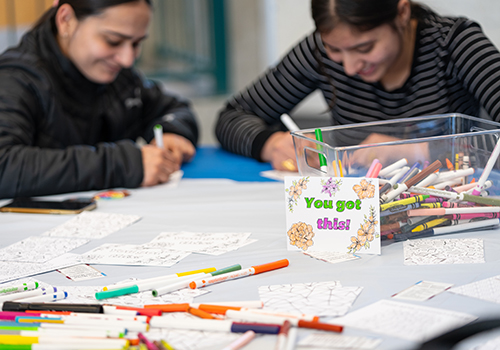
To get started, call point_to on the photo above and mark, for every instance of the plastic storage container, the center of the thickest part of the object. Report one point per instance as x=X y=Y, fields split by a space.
x=455 y=137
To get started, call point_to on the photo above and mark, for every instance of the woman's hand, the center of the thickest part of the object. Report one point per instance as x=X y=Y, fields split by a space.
x=279 y=151
x=157 y=164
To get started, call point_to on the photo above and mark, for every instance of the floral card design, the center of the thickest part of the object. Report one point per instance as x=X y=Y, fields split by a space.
x=332 y=214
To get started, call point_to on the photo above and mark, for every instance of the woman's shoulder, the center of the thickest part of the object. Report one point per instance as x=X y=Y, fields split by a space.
x=444 y=30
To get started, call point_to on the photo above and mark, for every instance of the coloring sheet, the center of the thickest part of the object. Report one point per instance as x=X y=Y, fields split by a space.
x=10 y=270
x=38 y=249
x=86 y=295
x=329 y=340
x=318 y=298
x=92 y=225
x=402 y=320
x=487 y=289
x=129 y=254
x=443 y=251
x=81 y=272
x=188 y=339
x=199 y=242
x=422 y=291
x=332 y=257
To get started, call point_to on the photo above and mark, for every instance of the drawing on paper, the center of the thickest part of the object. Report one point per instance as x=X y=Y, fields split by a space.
x=331 y=186
x=366 y=233
x=295 y=191
x=365 y=189
x=301 y=235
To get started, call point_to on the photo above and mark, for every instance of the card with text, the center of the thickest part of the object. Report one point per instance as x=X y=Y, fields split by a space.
x=332 y=214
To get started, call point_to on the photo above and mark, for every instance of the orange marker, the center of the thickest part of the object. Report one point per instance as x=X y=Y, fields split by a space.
x=254 y=270
x=449 y=165
x=200 y=313
x=321 y=326
x=141 y=311
x=217 y=309
x=169 y=307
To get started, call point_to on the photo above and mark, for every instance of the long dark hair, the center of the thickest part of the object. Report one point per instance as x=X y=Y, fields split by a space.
x=360 y=14
x=83 y=8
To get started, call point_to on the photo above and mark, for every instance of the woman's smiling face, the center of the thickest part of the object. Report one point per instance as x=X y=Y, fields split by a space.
x=102 y=45
x=369 y=54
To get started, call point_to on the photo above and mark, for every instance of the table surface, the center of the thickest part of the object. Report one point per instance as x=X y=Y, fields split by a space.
x=225 y=205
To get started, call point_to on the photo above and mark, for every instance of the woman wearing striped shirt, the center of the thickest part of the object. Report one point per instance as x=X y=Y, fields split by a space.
x=372 y=60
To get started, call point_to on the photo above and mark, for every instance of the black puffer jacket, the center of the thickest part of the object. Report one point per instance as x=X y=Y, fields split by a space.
x=60 y=132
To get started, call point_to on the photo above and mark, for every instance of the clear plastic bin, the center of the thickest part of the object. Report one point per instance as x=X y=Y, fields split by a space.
x=450 y=136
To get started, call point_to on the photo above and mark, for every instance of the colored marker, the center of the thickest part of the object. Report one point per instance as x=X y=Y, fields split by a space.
x=19 y=288
x=184 y=283
x=200 y=313
x=241 y=341
x=289 y=123
x=22 y=306
x=26 y=294
x=449 y=165
x=410 y=227
x=449 y=211
x=388 y=169
x=376 y=170
x=487 y=169
x=47 y=297
x=370 y=169
x=167 y=277
x=409 y=173
x=254 y=270
x=448 y=229
x=473 y=216
x=393 y=180
x=282 y=337
x=322 y=159
x=213 y=325
x=158 y=132
x=402 y=187
x=399 y=209
x=149 y=344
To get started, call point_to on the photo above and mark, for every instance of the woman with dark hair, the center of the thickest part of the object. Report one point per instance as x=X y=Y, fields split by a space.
x=372 y=60
x=72 y=105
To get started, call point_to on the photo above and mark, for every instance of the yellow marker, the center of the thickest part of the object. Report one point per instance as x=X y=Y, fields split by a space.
x=334 y=166
x=340 y=168
x=39 y=320
x=180 y=274
x=14 y=339
x=405 y=201
x=429 y=224
x=166 y=345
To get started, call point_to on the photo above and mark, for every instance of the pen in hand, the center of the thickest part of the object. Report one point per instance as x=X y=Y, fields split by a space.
x=158 y=131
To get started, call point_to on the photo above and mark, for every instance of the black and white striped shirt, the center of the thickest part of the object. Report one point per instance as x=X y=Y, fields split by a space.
x=456 y=69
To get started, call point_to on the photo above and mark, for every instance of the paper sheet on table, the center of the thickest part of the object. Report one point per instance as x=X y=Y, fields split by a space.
x=200 y=242
x=81 y=272
x=402 y=320
x=130 y=254
x=317 y=298
x=10 y=270
x=93 y=225
x=337 y=341
x=422 y=291
x=86 y=295
x=191 y=340
x=487 y=289
x=332 y=257
x=443 y=251
x=38 y=249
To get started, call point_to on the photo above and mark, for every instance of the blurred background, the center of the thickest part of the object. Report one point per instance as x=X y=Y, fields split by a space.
x=207 y=50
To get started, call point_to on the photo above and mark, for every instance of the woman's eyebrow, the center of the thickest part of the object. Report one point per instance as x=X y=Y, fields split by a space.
x=123 y=36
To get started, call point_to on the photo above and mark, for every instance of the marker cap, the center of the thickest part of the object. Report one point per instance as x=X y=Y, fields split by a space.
x=116 y=292
x=271 y=266
x=256 y=327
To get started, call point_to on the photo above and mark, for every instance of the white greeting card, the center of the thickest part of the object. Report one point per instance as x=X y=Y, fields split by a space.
x=332 y=214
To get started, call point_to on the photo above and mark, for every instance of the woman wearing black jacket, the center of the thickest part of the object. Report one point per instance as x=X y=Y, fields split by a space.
x=72 y=106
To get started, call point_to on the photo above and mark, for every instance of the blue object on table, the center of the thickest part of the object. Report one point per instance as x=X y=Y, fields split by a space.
x=214 y=163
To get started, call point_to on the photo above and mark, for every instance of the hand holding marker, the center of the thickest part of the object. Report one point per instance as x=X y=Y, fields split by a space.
x=158 y=131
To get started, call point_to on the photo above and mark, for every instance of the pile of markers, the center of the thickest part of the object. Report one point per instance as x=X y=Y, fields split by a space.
x=416 y=203
x=26 y=324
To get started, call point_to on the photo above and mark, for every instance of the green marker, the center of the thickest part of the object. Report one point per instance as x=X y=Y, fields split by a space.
x=322 y=159
x=148 y=285
x=185 y=283
x=19 y=288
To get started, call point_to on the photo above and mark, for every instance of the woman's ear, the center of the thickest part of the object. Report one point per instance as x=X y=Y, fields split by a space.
x=404 y=13
x=66 y=21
